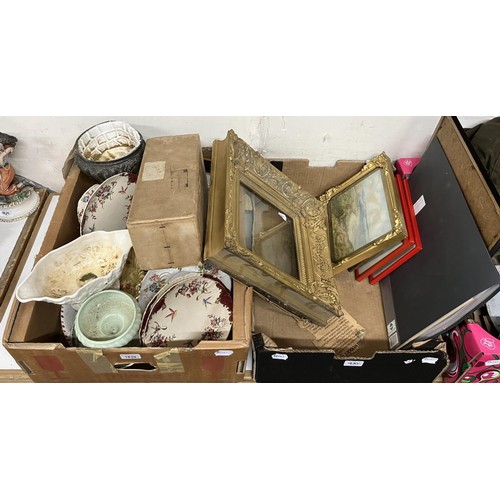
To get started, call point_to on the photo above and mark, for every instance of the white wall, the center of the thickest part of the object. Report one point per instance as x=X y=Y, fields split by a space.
x=44 y=142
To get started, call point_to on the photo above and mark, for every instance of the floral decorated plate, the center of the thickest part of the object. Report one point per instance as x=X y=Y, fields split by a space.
x=83 y=201
x=156 y=279
x=197 y=308
x=173 y=281
x=108 y=208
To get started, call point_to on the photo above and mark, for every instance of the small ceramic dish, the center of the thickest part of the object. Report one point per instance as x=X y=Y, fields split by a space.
x=73 y=272
x=22 y=205
x=108 y=207
x=197 y=308
x=110 y=318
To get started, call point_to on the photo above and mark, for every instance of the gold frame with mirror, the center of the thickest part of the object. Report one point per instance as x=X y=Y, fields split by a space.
x=364 y=213
x=267 y=232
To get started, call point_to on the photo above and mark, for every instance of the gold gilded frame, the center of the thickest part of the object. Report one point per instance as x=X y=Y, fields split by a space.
x=395 y=224
x=313 y=295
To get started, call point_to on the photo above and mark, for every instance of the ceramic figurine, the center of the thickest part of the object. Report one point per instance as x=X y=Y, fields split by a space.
x=17 y=197
x=7 y=172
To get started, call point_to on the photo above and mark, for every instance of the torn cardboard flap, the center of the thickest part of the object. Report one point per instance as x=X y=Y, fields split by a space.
x=341 y=334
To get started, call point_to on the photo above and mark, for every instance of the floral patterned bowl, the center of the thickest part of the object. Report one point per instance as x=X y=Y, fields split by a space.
x=197 y=308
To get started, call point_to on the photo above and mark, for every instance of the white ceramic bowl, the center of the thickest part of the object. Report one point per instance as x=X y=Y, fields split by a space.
x=110 y=318
x=73 y=272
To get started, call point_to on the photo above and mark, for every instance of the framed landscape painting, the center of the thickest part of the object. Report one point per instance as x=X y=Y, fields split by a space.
x=364 y=214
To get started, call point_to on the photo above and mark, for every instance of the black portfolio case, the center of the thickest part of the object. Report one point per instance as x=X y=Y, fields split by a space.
x=454 y=274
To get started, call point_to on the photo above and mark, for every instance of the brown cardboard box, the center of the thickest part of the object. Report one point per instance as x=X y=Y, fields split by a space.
x=33 y=332
x=296 y=355
x=167 y=215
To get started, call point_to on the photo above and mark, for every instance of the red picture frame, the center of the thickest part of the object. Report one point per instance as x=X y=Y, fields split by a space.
x=385 y=262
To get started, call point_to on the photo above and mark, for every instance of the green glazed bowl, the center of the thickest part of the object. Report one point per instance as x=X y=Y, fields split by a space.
x=110 y=318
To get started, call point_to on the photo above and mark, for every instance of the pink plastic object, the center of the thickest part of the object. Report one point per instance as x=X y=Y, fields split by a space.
x=405 y=166
x=474 y=356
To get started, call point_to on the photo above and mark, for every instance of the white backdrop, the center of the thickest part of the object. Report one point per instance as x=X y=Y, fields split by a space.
x=44 y=142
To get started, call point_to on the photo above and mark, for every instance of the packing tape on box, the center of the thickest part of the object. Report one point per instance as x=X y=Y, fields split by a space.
x=96 y=360
x=169 y=361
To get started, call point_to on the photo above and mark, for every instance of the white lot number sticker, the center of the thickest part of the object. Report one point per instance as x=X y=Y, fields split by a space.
x=278 y=355
x=130 y=356
x=353 y=363
x=223 y=353
x=430 y=360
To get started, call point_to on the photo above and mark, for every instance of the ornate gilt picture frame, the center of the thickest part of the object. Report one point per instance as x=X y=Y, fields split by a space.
x=266 y=231
x=364 y=214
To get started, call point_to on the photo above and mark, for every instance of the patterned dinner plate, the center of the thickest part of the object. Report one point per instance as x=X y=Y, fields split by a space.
x=196 y=308
x=170 y=283
x=108 y=208
x=155 y=279
x=83 y=201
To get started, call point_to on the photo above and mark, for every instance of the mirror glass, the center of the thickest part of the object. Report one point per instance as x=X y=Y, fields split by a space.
x=267 y=232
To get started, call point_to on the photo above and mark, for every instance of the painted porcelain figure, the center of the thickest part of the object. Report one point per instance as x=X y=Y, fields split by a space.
x=18 y=199
x=7 y=172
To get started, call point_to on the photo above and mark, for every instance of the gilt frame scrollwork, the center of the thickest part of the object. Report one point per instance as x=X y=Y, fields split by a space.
x=311 y=293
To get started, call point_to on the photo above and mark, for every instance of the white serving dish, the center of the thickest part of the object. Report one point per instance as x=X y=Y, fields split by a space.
x=73 y=272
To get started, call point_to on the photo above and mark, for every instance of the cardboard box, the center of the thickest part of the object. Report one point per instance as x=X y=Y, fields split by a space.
x=295 y=356
x=168 y=212
x=32 y=335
